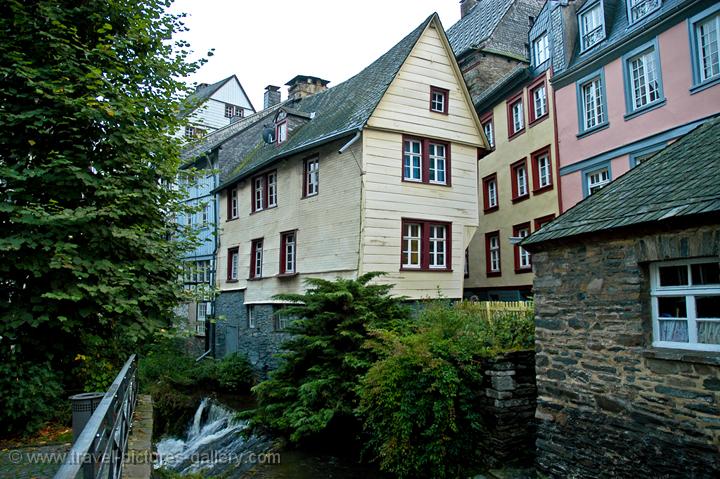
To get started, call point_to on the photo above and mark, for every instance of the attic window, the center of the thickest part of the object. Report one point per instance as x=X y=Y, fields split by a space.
x=638 y=9
x=439 y=98
x=281 y=132
x=541 y=50
x=232 y=111
x=592 y=26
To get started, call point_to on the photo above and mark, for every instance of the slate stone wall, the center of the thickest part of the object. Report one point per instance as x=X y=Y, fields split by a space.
x=610 y=405
x=482 y=70
x=508 y=405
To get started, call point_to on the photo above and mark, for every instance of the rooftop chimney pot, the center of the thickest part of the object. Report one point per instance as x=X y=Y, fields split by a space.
x=272 y=96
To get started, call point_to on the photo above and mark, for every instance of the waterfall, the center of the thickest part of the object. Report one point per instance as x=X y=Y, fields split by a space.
x=214 y=444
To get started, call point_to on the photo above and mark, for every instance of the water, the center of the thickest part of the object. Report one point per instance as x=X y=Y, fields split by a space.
x=215 y=445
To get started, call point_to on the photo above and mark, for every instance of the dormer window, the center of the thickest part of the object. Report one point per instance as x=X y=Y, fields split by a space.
x=281 y=132
x=232 y=111
x=638 y=9
x=592 y=26
x=439 y=100
x=541 y=50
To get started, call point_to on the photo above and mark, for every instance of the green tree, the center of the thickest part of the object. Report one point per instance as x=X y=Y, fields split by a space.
x=312 y=395
x=88 y=94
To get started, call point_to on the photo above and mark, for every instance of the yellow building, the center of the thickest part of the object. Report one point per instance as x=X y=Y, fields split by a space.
x=518 y=183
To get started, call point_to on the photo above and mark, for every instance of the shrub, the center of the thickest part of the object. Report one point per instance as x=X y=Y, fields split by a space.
x=312 y=395
x=419 y=401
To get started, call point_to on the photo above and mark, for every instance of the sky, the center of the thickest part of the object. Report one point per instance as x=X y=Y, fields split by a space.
x=268 y=42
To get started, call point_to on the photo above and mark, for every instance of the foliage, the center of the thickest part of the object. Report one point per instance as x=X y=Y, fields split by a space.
x=419 y=401
x=502 y=330
x=177 y=382
x=30 y=395
x=313 y=393
x=88 y=92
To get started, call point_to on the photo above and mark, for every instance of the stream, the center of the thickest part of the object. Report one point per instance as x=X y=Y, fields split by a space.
x=215 y=445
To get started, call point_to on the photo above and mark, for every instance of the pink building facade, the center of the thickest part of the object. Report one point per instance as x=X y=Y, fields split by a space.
x=634 y=82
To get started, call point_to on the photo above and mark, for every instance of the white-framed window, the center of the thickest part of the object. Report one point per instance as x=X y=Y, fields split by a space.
x=492 y=193
x=489 y=134
x=312 y=176
x=203 y=271
x=259 y=193
x=281 y=132
x=541 y=49
x=288 y=252
x=707 y=35
x=194 y=132
x=205 y=214
x=231 y=111
x=521 y=180
x=518 y=117
x=494 y=254
x=597 y=179
x=523 y=256
x=256 y=259
x=412 y=160
x=282 y=319
x=644 y=80
x=233 y=203
x=190 y=218
x=437 y=160
x=252 y=323
x=438 y=246
x=638 y=9
x=544 y=170
x=540 y=101
x=233 y=263
x=592 y=103
x=592 y=26
x=685 y=299
x=203 y=313
x=438 y=99
x=411 y=244
x=272 y=189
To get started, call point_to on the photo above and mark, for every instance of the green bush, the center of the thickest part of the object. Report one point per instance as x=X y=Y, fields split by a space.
x=31 y=394
x=419 y=401
x=311 y=397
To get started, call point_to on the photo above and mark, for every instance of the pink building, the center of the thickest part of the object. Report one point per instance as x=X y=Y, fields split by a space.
x=630 y=77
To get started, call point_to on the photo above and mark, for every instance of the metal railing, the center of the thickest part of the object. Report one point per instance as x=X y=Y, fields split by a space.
x=99 y=450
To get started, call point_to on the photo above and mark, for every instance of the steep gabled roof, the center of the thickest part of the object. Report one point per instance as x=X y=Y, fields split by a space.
x=477 y=25
x=681 y=180
x=337 y=112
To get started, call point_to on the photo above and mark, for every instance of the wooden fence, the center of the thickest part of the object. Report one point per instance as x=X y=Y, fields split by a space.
x=499 y=309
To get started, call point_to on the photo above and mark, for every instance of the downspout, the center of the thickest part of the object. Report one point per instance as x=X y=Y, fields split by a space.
x=557 y=145
x=350 y=143
x=340 y=152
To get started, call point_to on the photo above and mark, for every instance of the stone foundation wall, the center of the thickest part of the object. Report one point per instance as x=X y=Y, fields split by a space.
x=508 y=404
x=609 y=404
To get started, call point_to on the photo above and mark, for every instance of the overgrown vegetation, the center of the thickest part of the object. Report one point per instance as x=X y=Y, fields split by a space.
x=361 y=369
x=177 y=382
x=88 y=94
x=419 y=401
x=313 y=395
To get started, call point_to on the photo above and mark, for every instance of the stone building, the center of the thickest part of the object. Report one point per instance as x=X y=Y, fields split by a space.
x=627 y=292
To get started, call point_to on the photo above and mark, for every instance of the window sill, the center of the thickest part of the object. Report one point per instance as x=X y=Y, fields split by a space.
x=704 y=85
x=231 y=280
x=257 y=278
x=516 y=134
x=592 y=130
x=427 y=270
x=543 y=189
x=539 y=120
x=306 y=197
x=232 y=219
x=495 y=274
x=518 y=199
x=439 y=112
x=286 y=275
x=491 y=210
x=523 y=270
x=644 y=109
x=264 y=209
x=685 y=355
x=428 y=183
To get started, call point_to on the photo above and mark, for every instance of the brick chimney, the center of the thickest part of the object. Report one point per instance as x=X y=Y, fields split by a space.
x=303 y=85
x=272 y=96
x=466 y=6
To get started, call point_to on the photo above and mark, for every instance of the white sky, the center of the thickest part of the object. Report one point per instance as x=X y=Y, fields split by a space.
x=268 y=42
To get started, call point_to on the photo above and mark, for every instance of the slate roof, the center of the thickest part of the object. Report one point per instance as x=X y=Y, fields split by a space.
x=339 y=111
x=618 y=29
x=477 y=25
x=683 y=179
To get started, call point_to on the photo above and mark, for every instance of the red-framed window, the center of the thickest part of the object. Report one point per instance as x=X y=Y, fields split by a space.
x=523 y=261
x=264 y=191
x=426 y=161
x=538 y=106
x=519 y=178
x=515 y=115
x=233 y=263
x=439 y=100
x=542 y=170
x=542 y=221
x=311 y=176
x=493 y=266
x=281 y=132
x=488 y=126
x=426 y=245
x=288 y=252
x=491 y=193
x=256 y=258
x=232 y=204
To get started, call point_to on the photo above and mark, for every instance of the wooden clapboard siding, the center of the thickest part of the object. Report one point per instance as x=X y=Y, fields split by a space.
x=405 y=106
x=328 y=225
